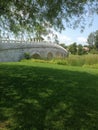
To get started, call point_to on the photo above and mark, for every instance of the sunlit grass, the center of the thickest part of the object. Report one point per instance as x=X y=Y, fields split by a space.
x=45 y=96
x=76 y=60
x=72 y=60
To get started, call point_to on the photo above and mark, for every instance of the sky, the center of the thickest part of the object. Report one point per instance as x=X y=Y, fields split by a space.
x=70 y=36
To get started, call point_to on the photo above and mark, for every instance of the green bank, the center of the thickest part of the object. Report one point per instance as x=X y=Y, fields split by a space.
x=45 y=96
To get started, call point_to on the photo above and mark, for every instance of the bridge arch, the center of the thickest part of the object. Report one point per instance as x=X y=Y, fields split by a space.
x=58 y=54
x=36 y=56
x=49 y=55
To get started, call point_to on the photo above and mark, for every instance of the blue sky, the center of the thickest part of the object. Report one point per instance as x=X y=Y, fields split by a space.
x=69 y=36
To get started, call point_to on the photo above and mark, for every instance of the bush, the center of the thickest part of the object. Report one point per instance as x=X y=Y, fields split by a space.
x=59 y=61
x=27 y=55
x=94 y=51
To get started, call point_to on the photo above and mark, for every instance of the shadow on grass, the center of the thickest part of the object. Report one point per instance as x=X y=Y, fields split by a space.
x=35 y=98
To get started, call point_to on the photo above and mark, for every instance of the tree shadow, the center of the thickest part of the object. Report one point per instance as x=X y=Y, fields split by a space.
x=35 y=98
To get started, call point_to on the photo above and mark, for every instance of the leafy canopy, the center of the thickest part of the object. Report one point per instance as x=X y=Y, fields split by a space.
x=92 y=40
x=30 y=15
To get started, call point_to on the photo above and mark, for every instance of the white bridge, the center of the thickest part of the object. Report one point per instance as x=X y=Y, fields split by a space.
x=14 y=50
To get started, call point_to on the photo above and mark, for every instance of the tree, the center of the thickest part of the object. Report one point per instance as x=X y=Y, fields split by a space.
x=96 y=39
x=73 y=48
x=80 y=49
x=63 y=45
x=16 y=15
x=93 y=40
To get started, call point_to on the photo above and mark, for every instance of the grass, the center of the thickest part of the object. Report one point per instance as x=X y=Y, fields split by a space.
x=90 y=60
x=45 y=96
x=76 y=60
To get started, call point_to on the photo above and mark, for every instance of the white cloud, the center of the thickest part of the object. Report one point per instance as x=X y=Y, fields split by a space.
x=61 y=37
x=64 y=39
x=81 y=40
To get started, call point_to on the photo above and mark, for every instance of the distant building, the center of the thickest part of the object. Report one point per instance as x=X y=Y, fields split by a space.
x=86 y=49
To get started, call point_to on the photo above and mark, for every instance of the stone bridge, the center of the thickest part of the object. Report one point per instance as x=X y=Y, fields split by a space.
x=12 y=50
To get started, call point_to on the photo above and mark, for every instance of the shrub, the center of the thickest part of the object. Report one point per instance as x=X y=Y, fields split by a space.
x=27 y=55
x=94 y=51
x=59 y=61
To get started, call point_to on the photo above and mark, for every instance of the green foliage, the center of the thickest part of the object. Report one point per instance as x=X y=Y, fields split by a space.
x=94 y=51
x=76 y=60
x=59 y=61
x=93 y=66
x=80 y=50
x=96 y=40
x=63 y=45
x=90 y=40
x=27 y=55
x=72 y=60
x=93 y=40
x=73 y=48
x=17 y=15
x=37 y=96
x=91 y=59
x=34 y=60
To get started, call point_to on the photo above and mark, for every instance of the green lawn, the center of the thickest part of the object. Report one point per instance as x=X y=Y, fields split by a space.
x=43 y=96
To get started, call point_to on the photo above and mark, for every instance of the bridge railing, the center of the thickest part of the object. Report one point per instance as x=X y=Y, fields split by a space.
x=13 y=42
x=19 y=41
x=25 y=41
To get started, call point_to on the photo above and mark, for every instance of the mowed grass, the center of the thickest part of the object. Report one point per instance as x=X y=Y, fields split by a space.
x=43 y=96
